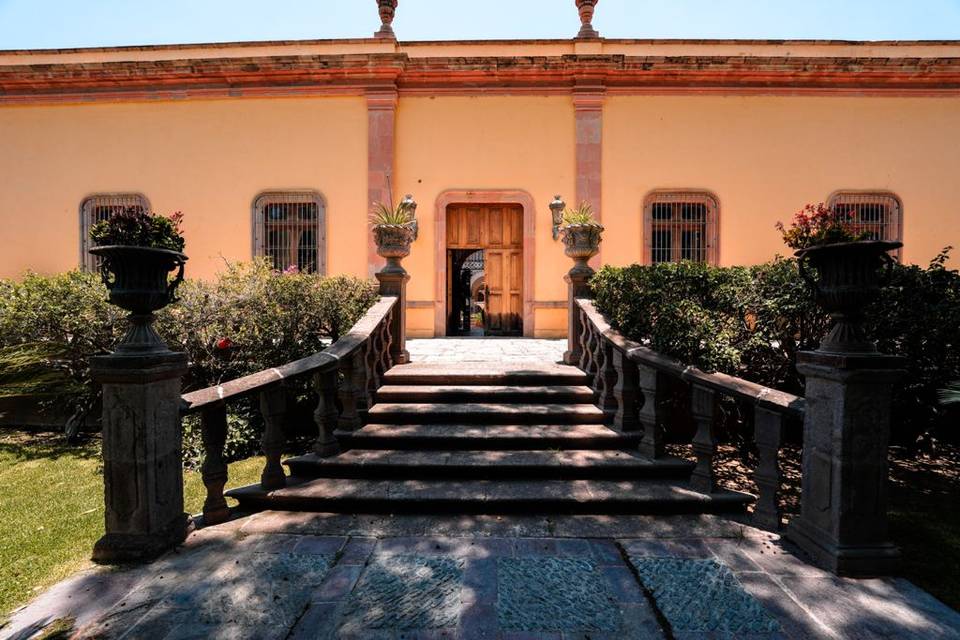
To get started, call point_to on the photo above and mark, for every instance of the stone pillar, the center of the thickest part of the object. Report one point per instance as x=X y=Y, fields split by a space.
x=576 y=280
x=588 y=99
x=843 y=519
x=393 y=282
x=142 y=465
x=381 y=122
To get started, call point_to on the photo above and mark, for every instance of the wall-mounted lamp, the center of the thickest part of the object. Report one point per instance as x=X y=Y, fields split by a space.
x=556 y=212
x=410 y=204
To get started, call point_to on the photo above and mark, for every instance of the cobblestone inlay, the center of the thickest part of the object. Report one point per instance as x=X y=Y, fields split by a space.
x=698 y=595
x=554 y=594
x=406 y=593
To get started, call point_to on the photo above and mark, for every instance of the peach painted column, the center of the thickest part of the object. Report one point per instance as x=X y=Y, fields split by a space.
x=588 y=116
x=381 y=120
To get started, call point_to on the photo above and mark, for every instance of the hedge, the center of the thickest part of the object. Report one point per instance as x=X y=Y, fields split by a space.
x=752 y=321
x=248 y=319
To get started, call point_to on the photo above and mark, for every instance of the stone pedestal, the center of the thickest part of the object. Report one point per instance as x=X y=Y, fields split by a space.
x=393 y=282
x=576 y=280
x=843 y=520
x=142 y=467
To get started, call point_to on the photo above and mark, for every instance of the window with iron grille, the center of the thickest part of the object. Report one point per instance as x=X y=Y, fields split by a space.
x=680 y=225
x=97 y=208
x=290 y=229
x=878 y=214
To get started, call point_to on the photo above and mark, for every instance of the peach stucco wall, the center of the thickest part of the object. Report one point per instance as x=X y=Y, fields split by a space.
x=764 y=157
x=486 y=143
x=209 y=159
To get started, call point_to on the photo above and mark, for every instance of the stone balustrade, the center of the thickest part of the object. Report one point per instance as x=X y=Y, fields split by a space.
x=631 y=383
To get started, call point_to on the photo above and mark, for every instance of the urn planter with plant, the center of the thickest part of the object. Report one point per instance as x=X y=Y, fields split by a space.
x=849 y=269
x=138 y=251
x=581 y=235
x=394 y=230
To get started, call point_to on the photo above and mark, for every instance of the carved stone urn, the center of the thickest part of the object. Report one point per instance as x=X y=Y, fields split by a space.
x=849 y=276
x=586 y=9
x=138 y=279
x=393 y=243
x=581 y=241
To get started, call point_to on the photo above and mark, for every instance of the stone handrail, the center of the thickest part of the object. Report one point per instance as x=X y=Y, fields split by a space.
x=348 y=371
x=625 y=375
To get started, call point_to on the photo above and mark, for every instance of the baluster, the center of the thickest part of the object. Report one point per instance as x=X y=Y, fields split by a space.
x=370 y=367
x=361 y=385
x=703 y=407
x=326 y=415
x=388 y=341
x=348 y=392
x=213 y=430
x=381 y=350
x=768 y=434
x=608 y=378
x=584 y=362
x=595 y=354
x=625 y=392
x=650 y=383
x=273 y=406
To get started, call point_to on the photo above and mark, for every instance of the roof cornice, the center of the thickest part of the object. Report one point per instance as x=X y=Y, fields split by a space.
x=352 y=74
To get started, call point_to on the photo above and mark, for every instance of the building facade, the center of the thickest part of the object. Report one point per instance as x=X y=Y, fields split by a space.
x=684 y=149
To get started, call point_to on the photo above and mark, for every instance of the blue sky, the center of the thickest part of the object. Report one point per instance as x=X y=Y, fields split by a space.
x=26 y=24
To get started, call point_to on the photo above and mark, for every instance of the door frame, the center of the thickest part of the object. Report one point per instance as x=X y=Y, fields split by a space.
x=483 y=196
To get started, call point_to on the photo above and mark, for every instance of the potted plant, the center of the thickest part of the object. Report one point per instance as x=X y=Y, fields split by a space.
x=580 y=233
x=394 y=230
x=849 y=266
x=138 y=251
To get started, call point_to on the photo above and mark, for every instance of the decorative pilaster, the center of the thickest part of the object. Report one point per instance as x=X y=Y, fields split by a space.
x=588 y=99
x=846 y=430
x=142 y=465
x=387 y=9
x=381 y=122
x=577 y=287
x=586 y=9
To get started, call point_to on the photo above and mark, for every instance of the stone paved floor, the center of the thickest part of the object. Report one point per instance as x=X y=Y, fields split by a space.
x=486 y=350
x=304 y=576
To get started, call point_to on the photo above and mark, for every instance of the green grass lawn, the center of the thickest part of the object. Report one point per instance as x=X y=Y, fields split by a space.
x=51 y=510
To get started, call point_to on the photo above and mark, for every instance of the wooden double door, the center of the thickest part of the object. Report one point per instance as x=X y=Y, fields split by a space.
x=497 y=231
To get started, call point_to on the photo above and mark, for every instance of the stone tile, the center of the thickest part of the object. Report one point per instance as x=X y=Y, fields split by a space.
x=535 y=547
x=623 y=584
x=574 y=547
x=667 y=548
x=794 y=621
x=338 y=584
x=862 y=609
x=480 y=581
x=322 y=545
x=702 y=596
x=606 y=552
x=405 y=593
x=357 y=550
x=552 y=594
x=779 y=557
x=478 y=621
x=318 y=622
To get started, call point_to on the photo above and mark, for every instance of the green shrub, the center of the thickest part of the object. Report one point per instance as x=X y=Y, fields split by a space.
x=752 y=322
x=250 y=318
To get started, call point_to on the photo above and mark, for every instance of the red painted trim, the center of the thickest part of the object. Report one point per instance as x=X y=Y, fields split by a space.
x=588 y=121
x=353 y=73
x=381 y=143
x=484 y=196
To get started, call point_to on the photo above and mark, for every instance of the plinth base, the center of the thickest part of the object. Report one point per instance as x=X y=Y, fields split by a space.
x=854 y=561
x=116 y=548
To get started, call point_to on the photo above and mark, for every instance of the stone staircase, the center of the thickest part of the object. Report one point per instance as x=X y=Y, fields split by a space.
x=487 y=438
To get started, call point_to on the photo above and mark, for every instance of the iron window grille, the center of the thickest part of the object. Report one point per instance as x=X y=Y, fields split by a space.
x=878 y=214
x=681 y=225
x=97 y=208
x=290 y=230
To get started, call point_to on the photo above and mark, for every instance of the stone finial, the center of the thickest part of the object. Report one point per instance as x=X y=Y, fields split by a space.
x=586 y=8
x=387 y=10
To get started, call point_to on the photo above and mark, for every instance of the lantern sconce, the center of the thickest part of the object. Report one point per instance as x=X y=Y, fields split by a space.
x=556 y=213
x=410 y=204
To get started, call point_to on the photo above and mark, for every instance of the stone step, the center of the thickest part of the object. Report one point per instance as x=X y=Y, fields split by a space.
x=486 y=413
x=489 y=465
x=485 y=373
x=487 y=436
x=344 y=495
x=485 y=393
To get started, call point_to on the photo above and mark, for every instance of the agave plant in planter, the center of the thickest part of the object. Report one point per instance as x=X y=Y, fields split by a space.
x=850 y=268
x=138 y=251
x=394 y=230
x=581 y=235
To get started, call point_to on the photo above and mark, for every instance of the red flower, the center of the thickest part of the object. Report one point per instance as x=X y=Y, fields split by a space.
x=224 y=343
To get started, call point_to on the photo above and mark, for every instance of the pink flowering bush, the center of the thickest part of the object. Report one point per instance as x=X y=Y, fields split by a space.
x=818 y=224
